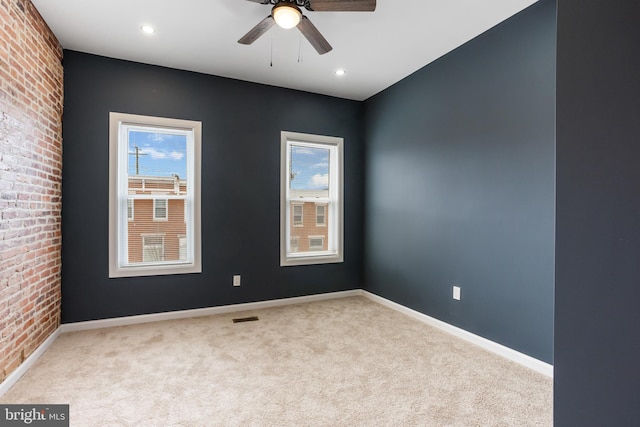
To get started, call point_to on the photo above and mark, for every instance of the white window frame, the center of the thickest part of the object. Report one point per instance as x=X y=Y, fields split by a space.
x=166 y=210
x=334 y=203
x=119 y=124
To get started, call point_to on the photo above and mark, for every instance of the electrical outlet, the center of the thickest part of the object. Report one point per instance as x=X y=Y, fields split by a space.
x=236 y=280
x=456 y=292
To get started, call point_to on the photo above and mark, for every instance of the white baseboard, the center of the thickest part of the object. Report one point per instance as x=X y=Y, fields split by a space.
x=506 y=352
x=28 y=362
x=523 y=359
x=184 y=314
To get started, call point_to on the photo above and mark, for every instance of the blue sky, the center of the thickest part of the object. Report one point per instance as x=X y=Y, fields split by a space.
x=311 y=168
x=161 y=154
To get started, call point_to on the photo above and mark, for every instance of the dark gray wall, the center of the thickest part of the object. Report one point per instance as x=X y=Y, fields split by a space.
x=240 y=180
x=597 y=320
x=460 y=185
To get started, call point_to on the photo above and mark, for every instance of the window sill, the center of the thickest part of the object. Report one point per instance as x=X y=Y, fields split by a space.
x=155 y=270
x=307 y=259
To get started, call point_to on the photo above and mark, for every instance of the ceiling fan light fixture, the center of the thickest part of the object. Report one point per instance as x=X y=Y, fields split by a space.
x=286 y=15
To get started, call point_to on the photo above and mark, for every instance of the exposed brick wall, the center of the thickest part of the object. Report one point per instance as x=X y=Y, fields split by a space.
x=31 y=96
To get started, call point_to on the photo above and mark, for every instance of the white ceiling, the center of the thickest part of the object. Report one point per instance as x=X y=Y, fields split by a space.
x=376 y=49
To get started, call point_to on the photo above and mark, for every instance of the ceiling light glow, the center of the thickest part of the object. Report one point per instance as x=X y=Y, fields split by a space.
x=286 y=16
x=340 y=72
x=148 y=29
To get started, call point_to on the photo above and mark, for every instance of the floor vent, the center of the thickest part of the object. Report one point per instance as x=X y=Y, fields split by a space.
x=245 y=319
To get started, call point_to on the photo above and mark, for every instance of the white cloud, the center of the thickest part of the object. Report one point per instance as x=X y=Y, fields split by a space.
x=161 y=154
x=158 y=137
x=321 y=165
x=155 y=154
x=319 y=180
x=176 y=155
x=304 y=150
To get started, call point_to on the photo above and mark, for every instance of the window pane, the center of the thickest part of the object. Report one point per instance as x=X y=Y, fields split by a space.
x=172 y=229
x=309 y=174
x=305 y=224
x=152 y=153
x=308 y=178
x=157 y=170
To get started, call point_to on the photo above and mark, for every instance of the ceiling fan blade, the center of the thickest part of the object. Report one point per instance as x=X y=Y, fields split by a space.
x=311 y=33
x=343 y=5
x=262 y=27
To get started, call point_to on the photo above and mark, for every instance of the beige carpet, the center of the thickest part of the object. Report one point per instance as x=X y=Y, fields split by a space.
x=345 y=362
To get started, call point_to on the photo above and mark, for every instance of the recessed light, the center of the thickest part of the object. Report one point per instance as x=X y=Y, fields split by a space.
x=340 y=72
x=148 y=29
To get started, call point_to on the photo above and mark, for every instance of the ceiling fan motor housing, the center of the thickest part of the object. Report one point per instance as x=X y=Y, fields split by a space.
x=299 y=3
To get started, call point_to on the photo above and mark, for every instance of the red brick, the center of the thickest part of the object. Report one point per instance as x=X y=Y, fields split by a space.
x=31 y=99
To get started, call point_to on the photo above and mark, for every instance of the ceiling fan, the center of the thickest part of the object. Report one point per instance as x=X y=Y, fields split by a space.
x=287 y=14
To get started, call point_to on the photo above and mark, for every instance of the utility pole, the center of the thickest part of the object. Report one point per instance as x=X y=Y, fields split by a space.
x=137 y=154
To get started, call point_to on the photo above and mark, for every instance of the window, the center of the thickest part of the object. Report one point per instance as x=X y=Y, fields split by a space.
x=321 y=215
x=295 y=242
x=316 y=243
x=160 y=210
x=129 y=209
x=182 y=247
x=153 y=248
x=154 y=166
x=311 y=185
x=297 y=215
